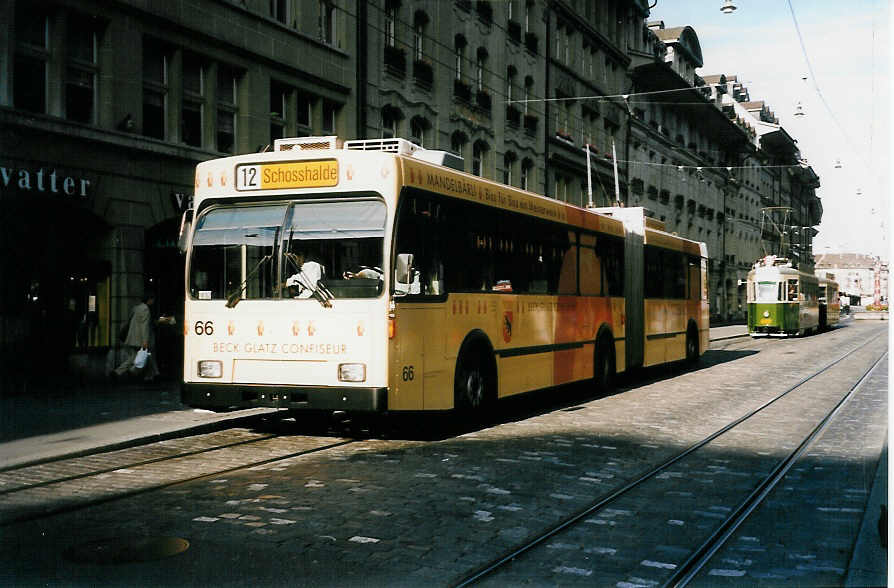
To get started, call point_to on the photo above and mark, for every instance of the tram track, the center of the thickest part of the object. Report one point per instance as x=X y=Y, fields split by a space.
x=54 y=487
x=683 y=573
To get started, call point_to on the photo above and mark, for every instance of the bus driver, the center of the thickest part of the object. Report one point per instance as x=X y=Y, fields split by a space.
x=303 y=283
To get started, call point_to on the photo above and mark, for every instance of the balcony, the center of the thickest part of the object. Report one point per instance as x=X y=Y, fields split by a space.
x=423 y=74
x=462 y=91
x=565 y=136
x=395 y=61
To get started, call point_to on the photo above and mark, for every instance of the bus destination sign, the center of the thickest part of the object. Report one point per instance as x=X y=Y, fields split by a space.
x=280 y=176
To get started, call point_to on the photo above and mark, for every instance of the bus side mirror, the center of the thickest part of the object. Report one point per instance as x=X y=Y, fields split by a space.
x=185 y=228
x=403 y=268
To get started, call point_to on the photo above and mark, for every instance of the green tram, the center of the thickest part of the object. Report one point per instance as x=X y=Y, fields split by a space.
x=829 y=303
x=782 y=301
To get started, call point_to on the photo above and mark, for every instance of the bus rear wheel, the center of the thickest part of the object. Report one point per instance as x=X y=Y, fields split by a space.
x=474 y=388
x=692 y=345
x=604 y=366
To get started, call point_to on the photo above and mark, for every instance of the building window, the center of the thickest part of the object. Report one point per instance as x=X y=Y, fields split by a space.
x=330 y=117
x=227 y=93
x=32 y=54
x=391 y=8
x=279 y=10
x=480 y=72
x=391 y=118
x=479 y=153
x=155 y=90
x=327 y=22
x=304 y=110
x=419 y=127
x=81 y=70
x=527 y=167
x=458 y=142
x=279 y=100
x=508 y=163
x=193 y=104
x=420 y=20
x=459 y=45
x=529 y=89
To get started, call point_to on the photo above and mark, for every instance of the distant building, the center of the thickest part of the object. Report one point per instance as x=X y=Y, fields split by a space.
x=862 y=277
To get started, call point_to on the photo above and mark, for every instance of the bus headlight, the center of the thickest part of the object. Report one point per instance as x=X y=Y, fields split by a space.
x=352 y=372
x=210 y=369
x=766 y=314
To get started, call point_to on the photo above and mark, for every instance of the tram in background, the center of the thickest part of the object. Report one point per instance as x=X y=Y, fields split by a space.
x=829 y=304
x=782 y=301
x=371 y=277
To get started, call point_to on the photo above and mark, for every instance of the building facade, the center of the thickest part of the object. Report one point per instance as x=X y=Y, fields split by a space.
x=862 y=278
x=106 y=108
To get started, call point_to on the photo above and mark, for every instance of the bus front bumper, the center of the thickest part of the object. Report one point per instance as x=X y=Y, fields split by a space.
x=217 y=396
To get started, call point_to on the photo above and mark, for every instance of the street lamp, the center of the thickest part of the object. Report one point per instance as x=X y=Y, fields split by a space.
x=728 y=7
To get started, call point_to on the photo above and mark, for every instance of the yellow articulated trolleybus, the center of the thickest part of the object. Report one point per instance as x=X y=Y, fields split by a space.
x=373 y=278
x=782 y=300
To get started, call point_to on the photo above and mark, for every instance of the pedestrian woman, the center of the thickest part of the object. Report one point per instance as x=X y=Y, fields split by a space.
x=140 y=335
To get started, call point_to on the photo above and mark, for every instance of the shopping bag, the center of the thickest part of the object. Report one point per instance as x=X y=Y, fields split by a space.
x=140 y=360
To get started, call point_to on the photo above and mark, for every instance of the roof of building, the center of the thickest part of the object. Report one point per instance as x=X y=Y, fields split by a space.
x=845 y=260
x=685 y=38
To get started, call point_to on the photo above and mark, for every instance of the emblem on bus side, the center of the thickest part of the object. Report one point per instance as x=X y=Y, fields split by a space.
x=260 y=328
x=507 y=326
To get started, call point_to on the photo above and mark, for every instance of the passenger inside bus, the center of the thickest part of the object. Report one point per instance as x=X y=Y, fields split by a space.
x=303 y=283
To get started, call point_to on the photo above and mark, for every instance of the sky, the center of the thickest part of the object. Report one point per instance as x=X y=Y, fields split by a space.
x=844 y=93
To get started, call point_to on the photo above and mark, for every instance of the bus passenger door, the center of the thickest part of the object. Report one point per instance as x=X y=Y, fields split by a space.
x=408 y=368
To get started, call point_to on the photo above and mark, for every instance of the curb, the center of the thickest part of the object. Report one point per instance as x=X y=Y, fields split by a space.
x=868 y=563
x=210 y=427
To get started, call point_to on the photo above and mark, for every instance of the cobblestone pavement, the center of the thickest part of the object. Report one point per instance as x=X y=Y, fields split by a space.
x=403 y=512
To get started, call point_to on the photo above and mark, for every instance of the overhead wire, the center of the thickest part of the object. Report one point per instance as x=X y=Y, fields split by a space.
x=614 y=98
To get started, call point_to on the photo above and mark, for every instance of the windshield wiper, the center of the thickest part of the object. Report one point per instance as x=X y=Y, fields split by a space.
x=319 y=291
x=235 y=296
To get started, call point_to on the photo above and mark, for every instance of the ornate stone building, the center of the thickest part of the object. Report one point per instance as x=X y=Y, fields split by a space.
x=106 y=108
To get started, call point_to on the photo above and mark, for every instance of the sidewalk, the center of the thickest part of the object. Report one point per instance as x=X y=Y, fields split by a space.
x=101 y=417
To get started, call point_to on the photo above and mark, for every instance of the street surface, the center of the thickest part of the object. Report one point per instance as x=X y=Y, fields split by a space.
x=410 y=511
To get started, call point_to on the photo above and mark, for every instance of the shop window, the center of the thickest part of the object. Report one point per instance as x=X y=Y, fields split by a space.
x=155 y=89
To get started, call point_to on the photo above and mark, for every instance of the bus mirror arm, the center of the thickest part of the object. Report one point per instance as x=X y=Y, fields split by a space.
x=185 y=228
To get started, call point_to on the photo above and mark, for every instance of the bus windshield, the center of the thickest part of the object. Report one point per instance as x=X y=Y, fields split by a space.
x=289 y=250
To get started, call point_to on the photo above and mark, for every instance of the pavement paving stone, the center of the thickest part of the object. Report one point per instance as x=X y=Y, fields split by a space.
x=464 y=499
